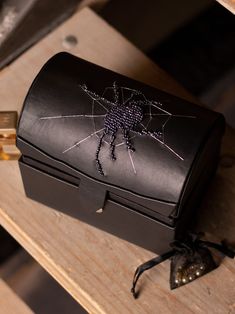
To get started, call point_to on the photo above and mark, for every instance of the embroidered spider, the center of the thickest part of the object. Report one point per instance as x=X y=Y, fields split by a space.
x=123 y=112
x=123 y=116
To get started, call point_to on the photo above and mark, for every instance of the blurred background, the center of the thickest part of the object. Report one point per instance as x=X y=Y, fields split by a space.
x=194 y=41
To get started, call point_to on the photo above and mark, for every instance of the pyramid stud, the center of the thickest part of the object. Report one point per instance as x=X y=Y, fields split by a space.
x=99 y=211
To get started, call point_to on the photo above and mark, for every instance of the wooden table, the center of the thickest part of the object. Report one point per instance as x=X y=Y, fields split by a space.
x=94 y=267
x=228 y=4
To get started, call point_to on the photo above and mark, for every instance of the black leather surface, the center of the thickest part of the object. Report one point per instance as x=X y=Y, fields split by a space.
x=160 y=173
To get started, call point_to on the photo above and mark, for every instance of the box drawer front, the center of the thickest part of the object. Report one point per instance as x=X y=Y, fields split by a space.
x=113 y=218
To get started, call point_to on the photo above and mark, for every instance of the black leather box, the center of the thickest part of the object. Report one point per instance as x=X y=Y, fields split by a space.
x=115 y=153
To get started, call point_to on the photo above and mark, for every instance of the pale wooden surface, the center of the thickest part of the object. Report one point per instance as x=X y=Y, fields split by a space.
x=228 y=4
x=10 y=303
x=95 y=267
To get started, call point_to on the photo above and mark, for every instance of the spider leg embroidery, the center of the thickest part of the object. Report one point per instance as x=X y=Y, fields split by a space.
x=133 y=93
x=81 y=141
x=156 y=134
x=116 y=93
x=156 y=137
x=93 y=120
x=163 y=128
x=122 y=95
x=96 y=97
x=112 y=146
x=73 y=116
x=150 y=116
x=128 y=99
x=122 y=143
x=157 y=107
x=126 y=137
x=98 y=163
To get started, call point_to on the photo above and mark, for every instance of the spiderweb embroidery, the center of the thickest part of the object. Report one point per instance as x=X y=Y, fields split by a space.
x=120 y=114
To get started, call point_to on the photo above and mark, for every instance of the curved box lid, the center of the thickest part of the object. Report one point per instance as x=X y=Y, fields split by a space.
x=73 y=106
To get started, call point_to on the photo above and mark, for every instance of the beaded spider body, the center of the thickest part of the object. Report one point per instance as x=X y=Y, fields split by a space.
x=123 y=116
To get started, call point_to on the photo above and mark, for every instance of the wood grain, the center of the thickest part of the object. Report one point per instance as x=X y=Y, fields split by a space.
x=228 y=4
x=94 y=267
x=10 y=303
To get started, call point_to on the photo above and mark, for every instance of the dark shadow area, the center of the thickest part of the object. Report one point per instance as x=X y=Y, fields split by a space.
x=8 y=246
x=216 y=215
x=201 y=52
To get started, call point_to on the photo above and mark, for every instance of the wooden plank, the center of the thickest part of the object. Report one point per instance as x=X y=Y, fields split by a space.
x=228 y=4
x=95 y=267
x=10 y=303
